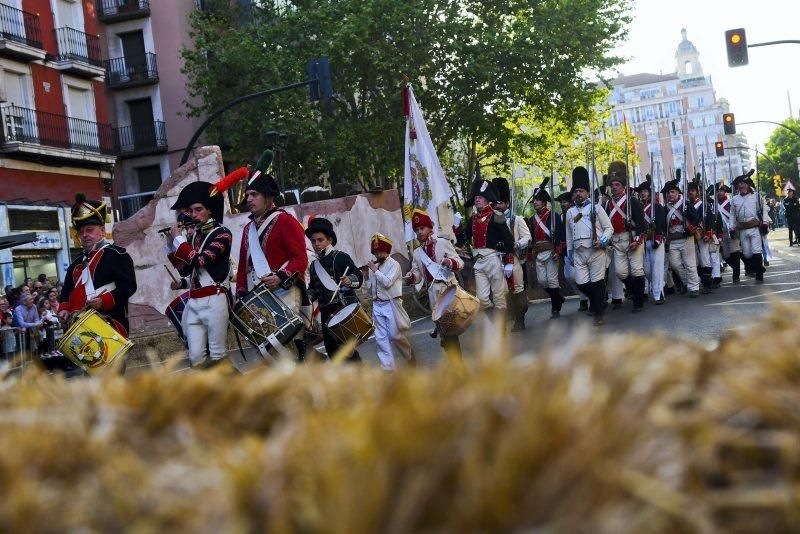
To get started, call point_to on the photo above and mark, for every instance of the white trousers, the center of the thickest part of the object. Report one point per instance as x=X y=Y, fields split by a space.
x=205 y=323
x=490 y=284
x=750 y=240
x=705 y=253
x=683 y=260
x=765 y=248
x=569 y=275
x=654 y=268
x=590 y=265
x=614 y=283
x=387 y=335
x=729 y=246
x=547 y=269
x=518 y=276
x=716 y=264
x=627 y=262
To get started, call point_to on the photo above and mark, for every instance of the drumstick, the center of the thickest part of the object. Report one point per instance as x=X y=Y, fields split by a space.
x=339 y=284
x=170 y=274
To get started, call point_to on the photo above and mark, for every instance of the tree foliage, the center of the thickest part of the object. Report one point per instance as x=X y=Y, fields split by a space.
x=782 y=151
x=477 y=66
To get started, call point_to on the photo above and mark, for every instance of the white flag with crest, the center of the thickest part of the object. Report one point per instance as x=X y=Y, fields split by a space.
x=425 y=185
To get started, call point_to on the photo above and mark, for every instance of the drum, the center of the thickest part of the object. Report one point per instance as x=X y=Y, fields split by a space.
x=174 y=313
x=455 y=311
x=351 y=322
x=92 y=343
x=265 y=320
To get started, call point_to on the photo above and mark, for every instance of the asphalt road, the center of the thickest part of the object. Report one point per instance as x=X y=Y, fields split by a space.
x=705 y=319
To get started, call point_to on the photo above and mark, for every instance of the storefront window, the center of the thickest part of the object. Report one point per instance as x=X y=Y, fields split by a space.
x=30 y=264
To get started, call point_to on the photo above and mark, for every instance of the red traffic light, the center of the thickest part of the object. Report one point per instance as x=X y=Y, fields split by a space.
x=719 y=148
x=736 y=44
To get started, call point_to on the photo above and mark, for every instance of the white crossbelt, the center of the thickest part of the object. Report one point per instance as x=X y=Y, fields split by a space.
x=88 y=282
x=616 y=208
x=541 y=225
x=646 y=216
x=324 y=277
x=436 y=270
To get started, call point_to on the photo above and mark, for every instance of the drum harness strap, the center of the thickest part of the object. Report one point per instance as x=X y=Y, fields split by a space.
x=437 y=271
x=262 y=268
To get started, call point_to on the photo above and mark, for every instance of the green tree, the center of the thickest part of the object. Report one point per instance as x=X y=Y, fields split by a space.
x=782 y=151
x=476 y=66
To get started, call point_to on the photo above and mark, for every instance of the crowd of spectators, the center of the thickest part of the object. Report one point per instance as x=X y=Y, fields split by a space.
x=29 y=318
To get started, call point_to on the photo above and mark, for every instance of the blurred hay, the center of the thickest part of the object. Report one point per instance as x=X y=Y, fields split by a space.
x=602 y=434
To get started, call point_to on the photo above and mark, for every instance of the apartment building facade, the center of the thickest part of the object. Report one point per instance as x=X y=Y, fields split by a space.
x=677 y=118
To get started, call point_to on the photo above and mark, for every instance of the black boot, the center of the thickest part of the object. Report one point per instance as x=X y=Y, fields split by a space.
x=520 y=306
x=734 y=260
x=597 y=293
x=705 y=280
x=586 y=289
x=616 y=304
x=583 y=306
x=716 y=282
x=556 y=300
x=758 y=267
x=637 y=287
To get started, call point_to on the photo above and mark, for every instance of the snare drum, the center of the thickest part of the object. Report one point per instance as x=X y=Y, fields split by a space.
x=174 y=313
x=92 y=343
x=265 y=320
x=455 y=311
x=351 y=322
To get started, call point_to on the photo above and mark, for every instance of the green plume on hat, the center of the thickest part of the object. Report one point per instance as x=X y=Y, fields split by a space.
x=264 y=161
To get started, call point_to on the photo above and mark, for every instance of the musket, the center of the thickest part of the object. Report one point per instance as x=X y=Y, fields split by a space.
x=759 y=207
x=703 y=192
x=592 y=216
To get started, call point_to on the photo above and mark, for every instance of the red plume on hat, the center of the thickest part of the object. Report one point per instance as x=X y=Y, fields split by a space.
x=229 y=180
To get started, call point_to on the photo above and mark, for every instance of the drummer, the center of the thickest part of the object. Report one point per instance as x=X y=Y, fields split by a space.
x=204 y=261
x=432 y=252
x=280 y=262
x=334 y=277
x=102 y=278
x=391 y=319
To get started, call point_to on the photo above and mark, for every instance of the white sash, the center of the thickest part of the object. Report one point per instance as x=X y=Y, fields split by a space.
x=615 y=208
x=646 y=216
x=260 y=263
x=324 y=277
x=436 y=270
x=88 y=283
x=726 y=214
x=543 y=227
x=675 y=211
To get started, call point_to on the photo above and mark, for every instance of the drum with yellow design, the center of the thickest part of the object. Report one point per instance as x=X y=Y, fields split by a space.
x=92 y=343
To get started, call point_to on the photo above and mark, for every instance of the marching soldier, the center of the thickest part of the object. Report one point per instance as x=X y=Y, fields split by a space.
x=731 y=250
x=517 y=299
x=546 y=245
x=654 y=258
x=565 y=199
x=273 y=246
x=334 y=278
x=391 y=319
x=682 y=222
x=588 y=231
x=492 y=242
x=716 y=254
x=707 y=244
x=630 y=230
x=102 y=278
x=750 y=215
x=791 y=209
x=436 y=261
x=204 y=263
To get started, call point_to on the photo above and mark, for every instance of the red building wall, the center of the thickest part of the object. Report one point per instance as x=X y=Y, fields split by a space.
x=52 y=101
x=37 y=185
x=43 y=9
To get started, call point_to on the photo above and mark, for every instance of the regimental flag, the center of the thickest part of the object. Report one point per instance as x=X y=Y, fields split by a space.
x=425 y=185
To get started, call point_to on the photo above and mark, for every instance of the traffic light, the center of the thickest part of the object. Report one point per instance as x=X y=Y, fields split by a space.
x=736 y=43
x=322 y=90
x=720 y=148
x=729 y=123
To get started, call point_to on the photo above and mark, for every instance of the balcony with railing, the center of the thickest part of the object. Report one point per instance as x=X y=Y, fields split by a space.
x=78 y=53
x=128 y=72
x=20 y=33
x=141 y=139
x=130 y=204
x=49 y=135
x=110 y=11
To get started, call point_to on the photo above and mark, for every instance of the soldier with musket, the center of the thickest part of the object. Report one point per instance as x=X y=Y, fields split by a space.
x=517 y=299
x=630 y=231
x=682 y=223
x=492 y=245
x=707 y=243
x=546 y=231
x=731 y=249
x=655 y=217
x=589 y=231
x=565 y=200
x=102 y=277
x=750 y=215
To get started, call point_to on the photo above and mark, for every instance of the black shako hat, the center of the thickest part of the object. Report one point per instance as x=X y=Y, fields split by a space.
x=502 y=189
x=88 y=212
x=200 y=193
x=580 y=179
x=321 y=225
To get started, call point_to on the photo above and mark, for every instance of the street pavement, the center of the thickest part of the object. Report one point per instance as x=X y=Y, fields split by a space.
x=705 y=319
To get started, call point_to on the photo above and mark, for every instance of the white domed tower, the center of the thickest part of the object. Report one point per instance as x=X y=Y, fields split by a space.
x=688 y=59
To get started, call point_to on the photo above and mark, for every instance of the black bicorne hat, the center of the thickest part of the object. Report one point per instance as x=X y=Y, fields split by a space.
x=483 y=188
x=200 y=193
x=85 y=212
x=565 y=196
x=671 y=185
x=503 y=190
x=260 y=180
x=321 y=225
x=540 y=193
x=746 y=178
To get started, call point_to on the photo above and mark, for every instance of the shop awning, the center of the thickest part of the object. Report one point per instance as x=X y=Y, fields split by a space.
x=8 y=241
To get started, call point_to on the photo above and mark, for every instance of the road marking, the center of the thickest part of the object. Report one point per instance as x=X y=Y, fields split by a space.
x=741 y=300
x=754 y=302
